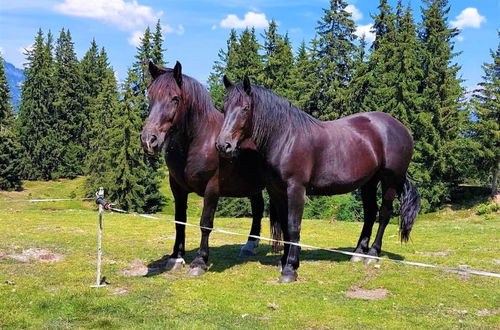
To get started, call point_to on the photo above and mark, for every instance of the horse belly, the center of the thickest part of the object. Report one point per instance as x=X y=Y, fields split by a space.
x=344 y=171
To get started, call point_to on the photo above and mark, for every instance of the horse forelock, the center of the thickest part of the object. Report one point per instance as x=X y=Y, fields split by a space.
x=195 y=96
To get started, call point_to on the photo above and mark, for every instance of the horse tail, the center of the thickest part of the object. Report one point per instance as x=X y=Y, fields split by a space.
x=275 y=228
x=410 y=206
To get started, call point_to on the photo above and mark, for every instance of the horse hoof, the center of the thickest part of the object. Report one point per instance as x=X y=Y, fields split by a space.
x=279 y=266
x=357 y=259
x=249 y=249
x=369 y=261
x=288 y=278
x=175 y=264
x=196 y=271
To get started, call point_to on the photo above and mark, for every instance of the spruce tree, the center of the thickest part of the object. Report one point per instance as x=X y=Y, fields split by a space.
x=68 y=107
x=126 y=169
x=103 y=112
x=486 y=103
x=278 y=60
x=37 y=119
x=334 y=54
x=92 y=72
x=158 y=50
x=362 y=81
x=302 y=79
x=246 y=60
x=438 y=125
x=223 y=65
x=10 y=150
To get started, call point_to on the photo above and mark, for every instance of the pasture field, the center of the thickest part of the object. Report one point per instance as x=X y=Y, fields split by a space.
x=47 y=264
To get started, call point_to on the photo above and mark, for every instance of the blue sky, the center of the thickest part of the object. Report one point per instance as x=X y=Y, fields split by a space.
x=196 y=30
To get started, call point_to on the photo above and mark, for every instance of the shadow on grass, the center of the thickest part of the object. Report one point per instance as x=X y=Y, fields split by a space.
x=467 y=197
x=226 y=256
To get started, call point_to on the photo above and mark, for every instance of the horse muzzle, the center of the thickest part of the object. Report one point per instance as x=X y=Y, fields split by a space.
x=226 y=149
x=151 y=143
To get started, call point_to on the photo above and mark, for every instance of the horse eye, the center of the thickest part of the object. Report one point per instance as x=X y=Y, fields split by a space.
x=175 y=99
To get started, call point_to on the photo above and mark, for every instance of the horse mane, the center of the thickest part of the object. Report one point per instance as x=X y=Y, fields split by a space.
x=198 y=100
x=273 y=113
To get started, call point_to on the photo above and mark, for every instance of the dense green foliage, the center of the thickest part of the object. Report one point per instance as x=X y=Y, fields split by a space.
x=10 y=150
x=486 y=105
x=408 y=72
x=74 y=121
x=72 y=116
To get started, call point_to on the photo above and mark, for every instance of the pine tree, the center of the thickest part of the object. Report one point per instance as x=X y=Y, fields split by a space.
x=10 y=150
x=439 y=124
x=380 y=64
x=158 y=50
x=103 y=111
x=126 y=170
x=278 y=60
x=394 y=66
x=37 y=120
x=221 y=67
x=140 y=66
x=486 y=104
x=68 y=106
x=246 y=60
x=362 y=81
x=302 y=79
x=334 y=53
x=92 y=72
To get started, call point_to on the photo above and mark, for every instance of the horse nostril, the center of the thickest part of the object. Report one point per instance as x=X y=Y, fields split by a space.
x=153 y=140
x=228 y=146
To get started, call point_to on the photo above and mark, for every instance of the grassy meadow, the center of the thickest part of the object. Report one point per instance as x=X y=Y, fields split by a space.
x=47 y=265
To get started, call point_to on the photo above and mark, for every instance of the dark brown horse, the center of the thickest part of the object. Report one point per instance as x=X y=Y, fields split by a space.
x=308 y=156
x=183 y=119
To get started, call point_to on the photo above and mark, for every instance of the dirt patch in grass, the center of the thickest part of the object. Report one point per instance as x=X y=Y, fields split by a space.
x=35 y=254
x=135 y=268
x=120 y=291
x=435 y=253
x=374 y=294
x=487 y=312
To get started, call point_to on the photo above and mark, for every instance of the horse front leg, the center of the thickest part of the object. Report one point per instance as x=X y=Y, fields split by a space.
x=210 y=199
x=296 y=195
x=249 y=249
x=176 y=259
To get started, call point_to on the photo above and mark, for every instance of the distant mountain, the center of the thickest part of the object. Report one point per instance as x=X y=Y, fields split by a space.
x=15 y=78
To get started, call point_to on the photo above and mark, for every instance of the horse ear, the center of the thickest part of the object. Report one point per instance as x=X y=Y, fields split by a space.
x=247 y=87
x=178 y=73
x=155 y=70
x=227 y=82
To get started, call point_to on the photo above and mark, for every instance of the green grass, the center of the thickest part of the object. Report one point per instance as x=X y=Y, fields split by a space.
x=236 y=293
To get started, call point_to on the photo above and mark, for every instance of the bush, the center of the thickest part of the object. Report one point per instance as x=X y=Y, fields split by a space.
x=487 y=209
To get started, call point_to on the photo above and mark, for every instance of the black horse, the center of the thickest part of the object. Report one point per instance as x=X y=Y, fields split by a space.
x=183 y=118
x=308 y=156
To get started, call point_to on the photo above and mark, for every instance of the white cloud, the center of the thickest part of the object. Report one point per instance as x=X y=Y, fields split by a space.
x=27 y=48
x=469 y=17
x=135 y=38
x=168 y=29
x=125 y=15
x=356 y=14
x=257 y=20
x=2 y=52
x=365 y=30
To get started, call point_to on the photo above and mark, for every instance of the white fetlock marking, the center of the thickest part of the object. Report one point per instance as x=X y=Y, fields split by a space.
x=178 y=260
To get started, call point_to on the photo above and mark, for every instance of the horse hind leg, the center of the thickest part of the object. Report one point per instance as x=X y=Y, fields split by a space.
x=250 y=247
x=389 y=193
x=369 y=197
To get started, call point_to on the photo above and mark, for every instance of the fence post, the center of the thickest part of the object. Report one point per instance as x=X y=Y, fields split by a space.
x=100 y=282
